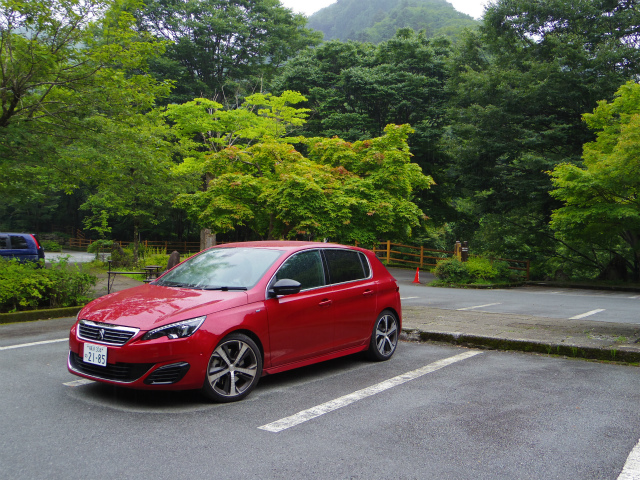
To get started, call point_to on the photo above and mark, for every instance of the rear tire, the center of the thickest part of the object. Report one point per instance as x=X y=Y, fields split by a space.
x=384 y=338
x=234 y=369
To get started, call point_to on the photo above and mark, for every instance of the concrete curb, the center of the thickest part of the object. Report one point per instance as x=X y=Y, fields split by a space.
x=33 y=315
x=527 y=346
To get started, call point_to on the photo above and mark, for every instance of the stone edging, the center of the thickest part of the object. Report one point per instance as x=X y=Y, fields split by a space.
x=492 y=343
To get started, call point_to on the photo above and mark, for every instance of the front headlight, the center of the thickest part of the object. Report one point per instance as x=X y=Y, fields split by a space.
x=183 y=329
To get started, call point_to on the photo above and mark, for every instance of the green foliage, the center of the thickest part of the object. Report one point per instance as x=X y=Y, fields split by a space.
x=122 y=257
x=51 y=246
x=518 y=89
x=378 y=20
x=25 y=286
x=477 y=270
x=341 y=190
x=601 y=214
x=355 y=90
x=63 y=62
x=452 y=270
x=223 y=49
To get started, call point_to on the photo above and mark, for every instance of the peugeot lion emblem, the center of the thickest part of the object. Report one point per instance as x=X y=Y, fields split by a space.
x=101 y=334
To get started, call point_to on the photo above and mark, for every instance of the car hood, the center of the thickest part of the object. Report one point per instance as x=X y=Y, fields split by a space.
x=150 y=306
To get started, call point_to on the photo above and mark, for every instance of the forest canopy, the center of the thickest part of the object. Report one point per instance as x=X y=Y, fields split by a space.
x=155 y=120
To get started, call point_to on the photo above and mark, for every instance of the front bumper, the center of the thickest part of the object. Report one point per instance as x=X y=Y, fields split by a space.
x=155 y=364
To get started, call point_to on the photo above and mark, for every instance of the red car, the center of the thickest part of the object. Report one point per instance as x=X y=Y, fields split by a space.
x=230 y=314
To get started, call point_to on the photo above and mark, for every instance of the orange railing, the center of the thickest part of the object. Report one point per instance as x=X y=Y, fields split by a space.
x=428 y=257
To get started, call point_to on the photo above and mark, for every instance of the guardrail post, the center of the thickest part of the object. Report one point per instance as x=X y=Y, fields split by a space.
x=528 y=266
x=388 y=251
x=421 y=255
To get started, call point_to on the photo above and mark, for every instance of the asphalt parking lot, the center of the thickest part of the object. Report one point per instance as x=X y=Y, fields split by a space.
x=433 y=411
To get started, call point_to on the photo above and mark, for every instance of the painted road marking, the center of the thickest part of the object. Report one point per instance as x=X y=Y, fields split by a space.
x=78 y=383
x=479 y=306
x=318 y=410
x=631 y=470
x=33 y=344
x=408 y=298
x=635 y=298
x=587 y=314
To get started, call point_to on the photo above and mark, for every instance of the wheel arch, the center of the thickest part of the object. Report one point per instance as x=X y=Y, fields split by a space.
x=253 y=337
x=395 y=312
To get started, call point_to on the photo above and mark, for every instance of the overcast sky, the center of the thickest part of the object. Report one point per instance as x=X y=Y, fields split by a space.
x=470 y=7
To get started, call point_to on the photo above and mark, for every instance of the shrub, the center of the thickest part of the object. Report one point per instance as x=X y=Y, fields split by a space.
x=99 y=246
x=51 y=246
x=452 y=270
x=25 y=286
x=481 y=269
x=122 y=257
x=475 y=270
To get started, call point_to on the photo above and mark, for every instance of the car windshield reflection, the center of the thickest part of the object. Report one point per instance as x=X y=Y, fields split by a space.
x=222 y=269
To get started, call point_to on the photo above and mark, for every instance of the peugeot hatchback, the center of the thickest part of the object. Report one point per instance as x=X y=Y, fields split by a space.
x=230 y=314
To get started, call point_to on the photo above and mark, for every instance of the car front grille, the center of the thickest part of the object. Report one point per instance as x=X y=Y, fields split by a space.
x=118 y=372
x=104 y=333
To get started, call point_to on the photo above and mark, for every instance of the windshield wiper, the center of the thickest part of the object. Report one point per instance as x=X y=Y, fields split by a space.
x=224 y=289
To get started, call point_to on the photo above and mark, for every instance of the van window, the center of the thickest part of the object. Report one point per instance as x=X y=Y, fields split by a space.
x=345 y=265
x=18 y=242
x=304 y=267
x=4 y=242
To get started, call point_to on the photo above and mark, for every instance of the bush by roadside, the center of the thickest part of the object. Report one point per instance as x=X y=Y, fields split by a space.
x=51 y=246
x=28 y=286
x=475 y=271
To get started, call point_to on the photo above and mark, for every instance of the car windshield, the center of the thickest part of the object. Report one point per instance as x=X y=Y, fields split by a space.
x=222 y=268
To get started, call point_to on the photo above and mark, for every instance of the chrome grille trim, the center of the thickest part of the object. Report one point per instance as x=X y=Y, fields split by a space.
x=105 y=333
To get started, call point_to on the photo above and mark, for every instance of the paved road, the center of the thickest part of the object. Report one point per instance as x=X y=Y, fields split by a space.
x=567 y=303
x=454 y=413
x=74 y=257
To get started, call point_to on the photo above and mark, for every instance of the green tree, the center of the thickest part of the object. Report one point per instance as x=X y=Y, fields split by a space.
x=133 y=172
x=600 y=219
x=343 y=191
x=63 y=65
x=518 y=89
x=223 y=49
x=355 y=90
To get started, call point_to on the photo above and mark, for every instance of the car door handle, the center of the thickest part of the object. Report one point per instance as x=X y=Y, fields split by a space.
x=325 y=303
x=368 y=293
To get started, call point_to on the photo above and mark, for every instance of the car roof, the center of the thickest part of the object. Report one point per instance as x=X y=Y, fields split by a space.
x=288 y=245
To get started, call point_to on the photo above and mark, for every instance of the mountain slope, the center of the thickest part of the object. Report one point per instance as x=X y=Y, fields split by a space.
x=378 y=20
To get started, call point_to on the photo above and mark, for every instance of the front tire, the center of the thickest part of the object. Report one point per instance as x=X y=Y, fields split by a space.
x=234 y=369
x=384 y=337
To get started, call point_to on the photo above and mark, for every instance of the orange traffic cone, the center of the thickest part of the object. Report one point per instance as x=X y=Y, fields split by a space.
x=417 y=277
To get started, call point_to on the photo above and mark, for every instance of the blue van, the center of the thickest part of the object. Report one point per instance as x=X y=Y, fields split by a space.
x=23 y=246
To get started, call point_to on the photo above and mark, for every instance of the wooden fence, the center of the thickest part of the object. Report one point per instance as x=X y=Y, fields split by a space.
x=391 y=253
x=428 y=257
x=168 y=246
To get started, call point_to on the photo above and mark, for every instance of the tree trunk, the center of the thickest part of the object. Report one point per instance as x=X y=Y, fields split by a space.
x=136 y=243
x=207 y=239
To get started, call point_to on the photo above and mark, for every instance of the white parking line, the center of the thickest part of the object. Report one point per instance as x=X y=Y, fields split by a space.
x=311 y=413
x=478 y=306
x=33 y=344
x=408 y=298
x=587 y=314
x=631 y=470
x=635 y=297
x=78 y=383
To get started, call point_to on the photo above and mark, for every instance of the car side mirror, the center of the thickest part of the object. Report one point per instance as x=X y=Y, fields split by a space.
x=284 y=286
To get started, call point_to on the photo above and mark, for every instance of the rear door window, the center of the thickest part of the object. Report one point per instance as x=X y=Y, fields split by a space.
x=346 y=265
x=4 y=242
x=18 y=242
